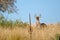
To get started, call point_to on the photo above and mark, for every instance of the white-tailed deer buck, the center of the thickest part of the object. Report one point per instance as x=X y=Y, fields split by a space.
x=38 y=24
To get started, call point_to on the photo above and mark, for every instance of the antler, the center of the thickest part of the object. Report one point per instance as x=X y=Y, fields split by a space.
x=35 y=15
x=40 y=15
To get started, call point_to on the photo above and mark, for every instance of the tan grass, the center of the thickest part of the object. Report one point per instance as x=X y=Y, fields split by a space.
x=37 y=34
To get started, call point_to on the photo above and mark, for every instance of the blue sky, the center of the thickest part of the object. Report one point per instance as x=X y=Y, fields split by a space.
x=49 y=10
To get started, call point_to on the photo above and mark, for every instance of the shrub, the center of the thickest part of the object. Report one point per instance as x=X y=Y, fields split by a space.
x=57 y=36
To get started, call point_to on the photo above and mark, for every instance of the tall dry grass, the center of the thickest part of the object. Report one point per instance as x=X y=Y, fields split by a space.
x=14 y=34
x=18 y=33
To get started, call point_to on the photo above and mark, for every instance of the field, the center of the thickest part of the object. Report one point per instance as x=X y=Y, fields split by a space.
x=49 y=33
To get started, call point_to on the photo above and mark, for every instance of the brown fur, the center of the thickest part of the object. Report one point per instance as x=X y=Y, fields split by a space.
x=43 y=25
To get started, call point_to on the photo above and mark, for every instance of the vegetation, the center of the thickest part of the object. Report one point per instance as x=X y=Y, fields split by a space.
x=14 y=34
x=52 y=32
x=7 y=5
x=10 y=24
x=57 y=36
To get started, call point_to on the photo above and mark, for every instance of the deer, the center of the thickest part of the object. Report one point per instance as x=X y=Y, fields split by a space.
x=38 y=24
